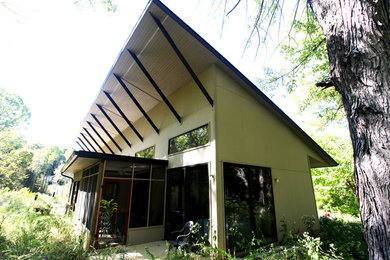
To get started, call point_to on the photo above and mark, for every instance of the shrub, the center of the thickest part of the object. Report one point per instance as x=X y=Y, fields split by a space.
x=28 y=234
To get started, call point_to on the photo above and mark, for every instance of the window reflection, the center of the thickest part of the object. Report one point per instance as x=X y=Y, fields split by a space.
x=191 y=139
x=249 y=207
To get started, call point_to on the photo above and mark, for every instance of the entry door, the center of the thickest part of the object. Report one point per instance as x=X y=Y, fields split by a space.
x=187 y=198
x=113 y=227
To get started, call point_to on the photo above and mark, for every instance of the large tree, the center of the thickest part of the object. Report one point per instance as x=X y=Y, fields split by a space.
x=358 y=43
x=357 y=34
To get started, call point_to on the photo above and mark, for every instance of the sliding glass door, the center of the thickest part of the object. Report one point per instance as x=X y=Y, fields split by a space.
x=187 y=199
x=249 y=205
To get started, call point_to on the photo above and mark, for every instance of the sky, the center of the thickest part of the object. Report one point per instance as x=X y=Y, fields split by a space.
x=56 y=54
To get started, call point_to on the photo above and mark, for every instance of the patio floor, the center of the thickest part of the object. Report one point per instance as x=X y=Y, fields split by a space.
x=159 y=249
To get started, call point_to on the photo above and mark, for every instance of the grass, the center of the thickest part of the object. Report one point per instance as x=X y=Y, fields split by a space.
x=28 y=234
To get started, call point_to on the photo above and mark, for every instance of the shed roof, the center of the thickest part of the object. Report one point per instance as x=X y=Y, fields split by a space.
x=149 y=46
x=80 y=160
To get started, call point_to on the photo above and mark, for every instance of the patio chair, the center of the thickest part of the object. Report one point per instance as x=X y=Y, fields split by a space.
x=182 y=237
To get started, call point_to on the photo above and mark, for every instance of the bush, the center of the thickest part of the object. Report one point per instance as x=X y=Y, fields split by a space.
x=28 y=234
x=346 y=235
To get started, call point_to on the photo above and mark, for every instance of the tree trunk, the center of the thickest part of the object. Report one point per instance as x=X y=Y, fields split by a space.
x=358 y=42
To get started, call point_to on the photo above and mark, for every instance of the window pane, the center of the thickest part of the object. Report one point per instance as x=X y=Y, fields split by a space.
x=158 y=172
x=194 y=138
x=118 y=169
x=91 y=198
x=187 y=199
x=237 y=207
x=142 y=171
x=263 y=209
x=147 y=153
x=157 y=203
x=249 y=207
x=139 y=204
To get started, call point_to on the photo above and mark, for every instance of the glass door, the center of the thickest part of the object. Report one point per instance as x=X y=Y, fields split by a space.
x=114 y=211
x=187 y=199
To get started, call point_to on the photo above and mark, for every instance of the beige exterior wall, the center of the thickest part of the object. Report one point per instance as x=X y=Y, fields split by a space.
x=248 y=133
x=195 y=111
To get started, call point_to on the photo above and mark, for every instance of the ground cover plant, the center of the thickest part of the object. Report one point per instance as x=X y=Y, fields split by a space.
x=340 y=238
x=26 y=233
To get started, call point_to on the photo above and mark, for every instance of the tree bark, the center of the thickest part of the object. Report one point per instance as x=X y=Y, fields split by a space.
x=358 y=43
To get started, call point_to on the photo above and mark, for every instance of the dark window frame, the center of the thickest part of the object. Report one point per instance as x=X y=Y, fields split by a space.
x=192 y=130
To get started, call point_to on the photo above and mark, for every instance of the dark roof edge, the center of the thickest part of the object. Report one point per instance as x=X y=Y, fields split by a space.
x=284 y=116
x=102 y=156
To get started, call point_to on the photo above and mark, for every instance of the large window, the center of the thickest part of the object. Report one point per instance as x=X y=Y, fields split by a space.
x=191 y=139
x=249 y=205
x=146 y=153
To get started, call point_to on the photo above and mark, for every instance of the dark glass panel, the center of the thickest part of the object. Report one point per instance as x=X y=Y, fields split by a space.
x=156 y=212
x=118 y=169
x=263 y=207
x=237 y=207
x=187 y=199
x=142 y=171
x=139 y=203
x=175 y=201
x=249 y=208
x=194 y=138
x=118 y=191
x=91 y=198
x=158 y=172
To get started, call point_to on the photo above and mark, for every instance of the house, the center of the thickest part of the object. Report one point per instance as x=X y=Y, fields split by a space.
x=177 y=133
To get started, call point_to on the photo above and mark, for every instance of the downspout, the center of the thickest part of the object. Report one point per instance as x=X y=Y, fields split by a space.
x=70 y=188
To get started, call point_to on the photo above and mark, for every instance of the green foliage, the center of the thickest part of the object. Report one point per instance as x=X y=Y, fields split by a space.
x=339 y=238
x=108 y=5
x=15 y=161
x=345 y=233
x=107 y=207
x=23 y=165
x=12 y=110
x=335 y=187
x=307 y=54
x=194 y=138
x=146 y=153
x=27 y=234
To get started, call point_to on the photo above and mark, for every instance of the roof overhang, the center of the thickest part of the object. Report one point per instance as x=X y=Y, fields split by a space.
x=149 y=45
x=80 y=160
